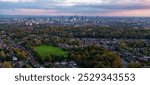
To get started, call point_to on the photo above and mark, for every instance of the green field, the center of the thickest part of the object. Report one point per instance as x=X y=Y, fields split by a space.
x=46 y=50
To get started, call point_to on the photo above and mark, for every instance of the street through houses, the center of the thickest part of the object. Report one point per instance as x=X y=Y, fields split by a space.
x=10 y=44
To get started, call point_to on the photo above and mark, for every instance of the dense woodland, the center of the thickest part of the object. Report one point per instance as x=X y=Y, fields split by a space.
x=94 y=56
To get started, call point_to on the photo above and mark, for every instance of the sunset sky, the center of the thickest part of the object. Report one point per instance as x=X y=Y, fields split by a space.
x=76 y=7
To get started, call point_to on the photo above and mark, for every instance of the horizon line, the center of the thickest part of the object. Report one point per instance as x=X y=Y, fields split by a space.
x=72 y=15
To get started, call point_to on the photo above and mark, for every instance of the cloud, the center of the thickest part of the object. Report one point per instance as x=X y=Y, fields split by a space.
x=74 y=7
x=17 y=0
x=103 y=8
x=29 y=11
x=74 y=2
x=85 y=2
x=141 y=12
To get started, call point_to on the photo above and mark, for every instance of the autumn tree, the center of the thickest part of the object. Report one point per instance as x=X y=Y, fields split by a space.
x=7 y=65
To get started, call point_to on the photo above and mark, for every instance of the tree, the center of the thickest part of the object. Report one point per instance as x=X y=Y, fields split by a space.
x=48 y=58
x=134 y=65
x=122 y=45
x=117 y=62
x=95 y=56
x=2 y=53
x=6 y=65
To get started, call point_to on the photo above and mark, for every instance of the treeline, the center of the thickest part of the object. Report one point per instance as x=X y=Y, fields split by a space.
x=95 y=57
x=81 y=32
x=108 y=32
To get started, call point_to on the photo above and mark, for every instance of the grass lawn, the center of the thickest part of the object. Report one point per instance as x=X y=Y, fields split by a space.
x=46 y=50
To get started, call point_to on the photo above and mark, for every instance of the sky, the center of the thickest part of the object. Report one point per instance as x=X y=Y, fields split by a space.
x=76 y=7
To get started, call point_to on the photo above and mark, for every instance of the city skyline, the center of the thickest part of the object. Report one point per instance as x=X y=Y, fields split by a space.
x=76 y=7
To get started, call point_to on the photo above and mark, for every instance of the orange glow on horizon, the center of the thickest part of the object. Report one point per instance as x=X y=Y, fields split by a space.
x=144 y=12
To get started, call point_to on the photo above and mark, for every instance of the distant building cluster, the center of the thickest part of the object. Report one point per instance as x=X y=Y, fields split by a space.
x=136 y=22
